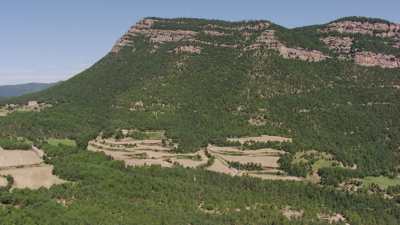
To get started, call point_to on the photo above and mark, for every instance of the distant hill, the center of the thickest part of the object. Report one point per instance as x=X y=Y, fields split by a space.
x=21 y=89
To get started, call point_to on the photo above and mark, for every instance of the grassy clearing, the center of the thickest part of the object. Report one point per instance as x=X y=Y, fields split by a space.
x=381 y=181
x=66 y=142
x=323 y=163
x=317 y=160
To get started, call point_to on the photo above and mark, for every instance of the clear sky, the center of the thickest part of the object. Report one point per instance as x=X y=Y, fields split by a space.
x=52 y=40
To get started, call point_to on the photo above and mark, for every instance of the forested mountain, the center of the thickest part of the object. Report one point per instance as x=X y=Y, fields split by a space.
x=21 y=89
x=334 y=88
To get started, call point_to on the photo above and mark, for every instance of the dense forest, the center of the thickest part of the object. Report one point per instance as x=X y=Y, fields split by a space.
x=103 y=191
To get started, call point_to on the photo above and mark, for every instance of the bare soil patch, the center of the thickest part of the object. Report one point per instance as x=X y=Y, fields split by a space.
x=33 y=177
x=3 y=181
x=221 y=167
x=267 y=158
x=27 y=169
x=262 y=138
x=18 y=158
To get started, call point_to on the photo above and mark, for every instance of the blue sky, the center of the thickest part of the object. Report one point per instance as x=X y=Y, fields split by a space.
x=49 y=40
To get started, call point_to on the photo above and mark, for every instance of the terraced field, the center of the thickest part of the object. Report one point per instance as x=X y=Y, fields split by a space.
x=27 y=169
x=146 y=152
x=229 y=160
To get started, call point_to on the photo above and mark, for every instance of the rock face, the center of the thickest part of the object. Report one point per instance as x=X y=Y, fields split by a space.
x=340 y=45
x=188 y=49
x=355 y=27
x=260 y=26
x=144 y=27
x=377 y=59
x=214 y=33
x=190 y=41
x=267 y=39
x=126 y=39
x=397 y=44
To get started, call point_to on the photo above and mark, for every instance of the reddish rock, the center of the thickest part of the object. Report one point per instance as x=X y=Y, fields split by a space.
x=144 y=27
x=355 y=27
x=188 y=49
x=268 y=40
x=397 y=44
x=377 y=59
x=338 y=44
x=214 y=33
x=260 y=26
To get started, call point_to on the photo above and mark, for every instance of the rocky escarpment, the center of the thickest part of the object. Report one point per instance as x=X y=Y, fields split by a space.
x=378 y=29
x=253 y=36
x=156 y=36
x=343 y=45
x=188 y=49
x=259 y=26
x=268 y=40
x=340 y=45
x=377 y=59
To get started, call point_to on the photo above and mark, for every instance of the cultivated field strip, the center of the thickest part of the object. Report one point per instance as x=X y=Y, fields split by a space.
x=156 y=151
x=27 y=169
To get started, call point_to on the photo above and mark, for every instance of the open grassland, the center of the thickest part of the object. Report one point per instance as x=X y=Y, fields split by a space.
x=56 y=141
x=381 y=181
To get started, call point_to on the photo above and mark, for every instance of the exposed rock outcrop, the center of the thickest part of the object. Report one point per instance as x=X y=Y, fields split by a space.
x=377 y=59
x=188 y=49
x=397 y=44
x=268 y=40
x=215 y=44
x=260 y=26
x=214 y=33
x=126 y=39
x=340 y=45
x=378 y=29
x=333 y=218
x=144 y=27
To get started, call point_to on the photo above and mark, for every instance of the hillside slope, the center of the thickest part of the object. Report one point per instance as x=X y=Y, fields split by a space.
x=333 y=88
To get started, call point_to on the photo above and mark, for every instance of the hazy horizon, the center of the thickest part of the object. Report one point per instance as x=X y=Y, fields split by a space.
x=46 y=41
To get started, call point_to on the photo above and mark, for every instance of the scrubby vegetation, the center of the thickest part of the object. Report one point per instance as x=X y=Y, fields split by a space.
x=14 y=143
x=245 y=166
